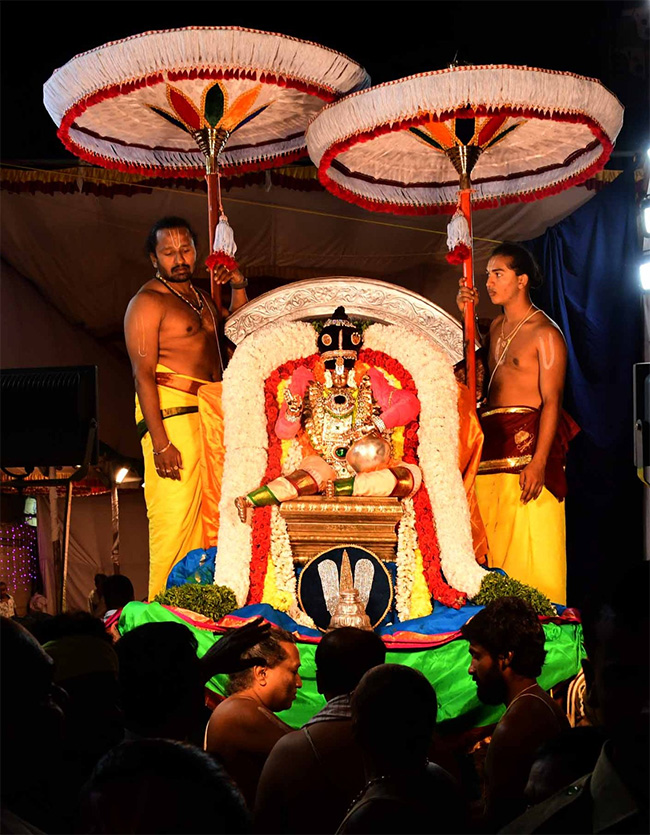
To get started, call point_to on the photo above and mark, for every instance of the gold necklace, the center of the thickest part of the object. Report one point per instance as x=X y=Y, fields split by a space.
x=506 y=341
x=197 y=308
x=502 y=340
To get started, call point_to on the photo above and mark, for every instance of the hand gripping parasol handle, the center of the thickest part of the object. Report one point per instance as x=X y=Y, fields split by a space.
x=464 y=158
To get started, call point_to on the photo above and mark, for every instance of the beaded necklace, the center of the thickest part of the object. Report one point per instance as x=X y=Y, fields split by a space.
x=373 y=782
x=505 y=341
x=197 y=308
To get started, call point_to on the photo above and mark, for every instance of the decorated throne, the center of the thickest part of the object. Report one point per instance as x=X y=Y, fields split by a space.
x=419 y=550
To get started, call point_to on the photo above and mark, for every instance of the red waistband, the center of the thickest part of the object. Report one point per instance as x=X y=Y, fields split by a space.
x=174 y=381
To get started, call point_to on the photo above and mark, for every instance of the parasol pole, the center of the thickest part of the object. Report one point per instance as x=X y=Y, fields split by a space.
x=212 y=141
x=469 y=329
x=212 y=181
x=464 y=158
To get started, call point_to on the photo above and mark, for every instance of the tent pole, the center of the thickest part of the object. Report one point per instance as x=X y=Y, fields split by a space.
x=66 y=545
x=115 y=520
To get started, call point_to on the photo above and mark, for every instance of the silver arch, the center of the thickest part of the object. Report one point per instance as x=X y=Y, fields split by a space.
x=365 y=298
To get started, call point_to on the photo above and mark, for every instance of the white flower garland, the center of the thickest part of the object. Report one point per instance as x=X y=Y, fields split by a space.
x=280 y=554
x=407 y=542
x=246 y=440
x=293 y=458
x=433 y=376
x=246 y=456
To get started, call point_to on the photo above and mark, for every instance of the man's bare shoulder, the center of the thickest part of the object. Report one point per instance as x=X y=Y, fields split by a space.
x=290 y=745
x=149 y=299
x=529 y=715
x=235 y=708
x=152 y=289
x=543 y=324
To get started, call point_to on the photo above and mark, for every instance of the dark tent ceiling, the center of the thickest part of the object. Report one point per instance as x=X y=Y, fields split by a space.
x=390 y=38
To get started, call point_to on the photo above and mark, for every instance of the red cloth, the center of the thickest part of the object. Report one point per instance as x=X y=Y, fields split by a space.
x=510 y=440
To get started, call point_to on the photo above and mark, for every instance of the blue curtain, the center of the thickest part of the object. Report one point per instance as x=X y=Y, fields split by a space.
x=591 y=289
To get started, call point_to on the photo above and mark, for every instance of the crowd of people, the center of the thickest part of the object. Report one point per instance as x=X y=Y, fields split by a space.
x=107 y=736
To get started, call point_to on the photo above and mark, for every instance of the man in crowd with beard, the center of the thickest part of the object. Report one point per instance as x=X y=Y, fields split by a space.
x=172 y=332
x=506 y=644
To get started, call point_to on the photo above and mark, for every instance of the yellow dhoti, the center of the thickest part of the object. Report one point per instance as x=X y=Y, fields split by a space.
x=526 y=541
x=183 y=515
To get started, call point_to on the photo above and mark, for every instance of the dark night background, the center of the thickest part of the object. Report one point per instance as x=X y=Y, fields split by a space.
x=390 y=38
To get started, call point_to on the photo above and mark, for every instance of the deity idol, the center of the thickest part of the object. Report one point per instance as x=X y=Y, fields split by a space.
x=344 y=426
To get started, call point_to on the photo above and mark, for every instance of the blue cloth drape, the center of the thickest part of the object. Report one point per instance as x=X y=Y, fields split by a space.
x=591 y=289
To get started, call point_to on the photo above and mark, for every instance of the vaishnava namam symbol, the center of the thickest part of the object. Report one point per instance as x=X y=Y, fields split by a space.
x=346 y=600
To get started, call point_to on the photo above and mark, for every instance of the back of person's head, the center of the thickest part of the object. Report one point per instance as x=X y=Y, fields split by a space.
x=616 y=631
x=394 y=709
x=26 y=679
x=160 y=786
x=270 y=649
x=117 y=591
x=30 y=720
x=100 y=579
x=86 y=666
x=343 y=656
x=509 y=625
x=522 y=262
x=79 y=645
x=562 y=760
x=621 y=600
x=68 y=624
x=159 y=676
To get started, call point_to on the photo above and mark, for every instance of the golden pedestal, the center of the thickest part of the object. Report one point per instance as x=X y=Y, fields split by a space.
x=316 y=523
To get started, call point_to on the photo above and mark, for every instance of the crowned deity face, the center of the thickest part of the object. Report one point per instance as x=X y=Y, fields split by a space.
x=339 y=344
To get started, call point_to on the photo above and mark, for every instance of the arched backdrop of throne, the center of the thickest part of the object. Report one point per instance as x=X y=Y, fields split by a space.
x=414 y=344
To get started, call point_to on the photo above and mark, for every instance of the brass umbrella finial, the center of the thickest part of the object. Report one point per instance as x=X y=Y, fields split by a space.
x=464 y=158
x=211 y=141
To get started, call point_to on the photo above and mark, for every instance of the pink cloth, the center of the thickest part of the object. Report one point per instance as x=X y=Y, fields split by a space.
x=300 y=379
x=398 y=407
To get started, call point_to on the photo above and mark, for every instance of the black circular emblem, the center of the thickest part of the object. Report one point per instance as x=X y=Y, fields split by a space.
x=319 y=584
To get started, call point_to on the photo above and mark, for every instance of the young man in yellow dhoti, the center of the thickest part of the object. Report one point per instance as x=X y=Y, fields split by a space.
x=521 y=485
x=171 y=331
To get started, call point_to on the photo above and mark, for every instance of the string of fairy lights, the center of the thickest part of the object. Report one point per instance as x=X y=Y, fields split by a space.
x=18 y=555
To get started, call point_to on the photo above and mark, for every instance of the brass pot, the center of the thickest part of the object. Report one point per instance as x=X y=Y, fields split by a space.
x=369 y=454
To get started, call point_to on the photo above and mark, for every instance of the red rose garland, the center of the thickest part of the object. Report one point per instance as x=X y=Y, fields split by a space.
x=424 y=522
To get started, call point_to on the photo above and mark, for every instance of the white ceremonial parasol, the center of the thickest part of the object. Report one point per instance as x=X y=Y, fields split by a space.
x=195 y=102
x=465 y=136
